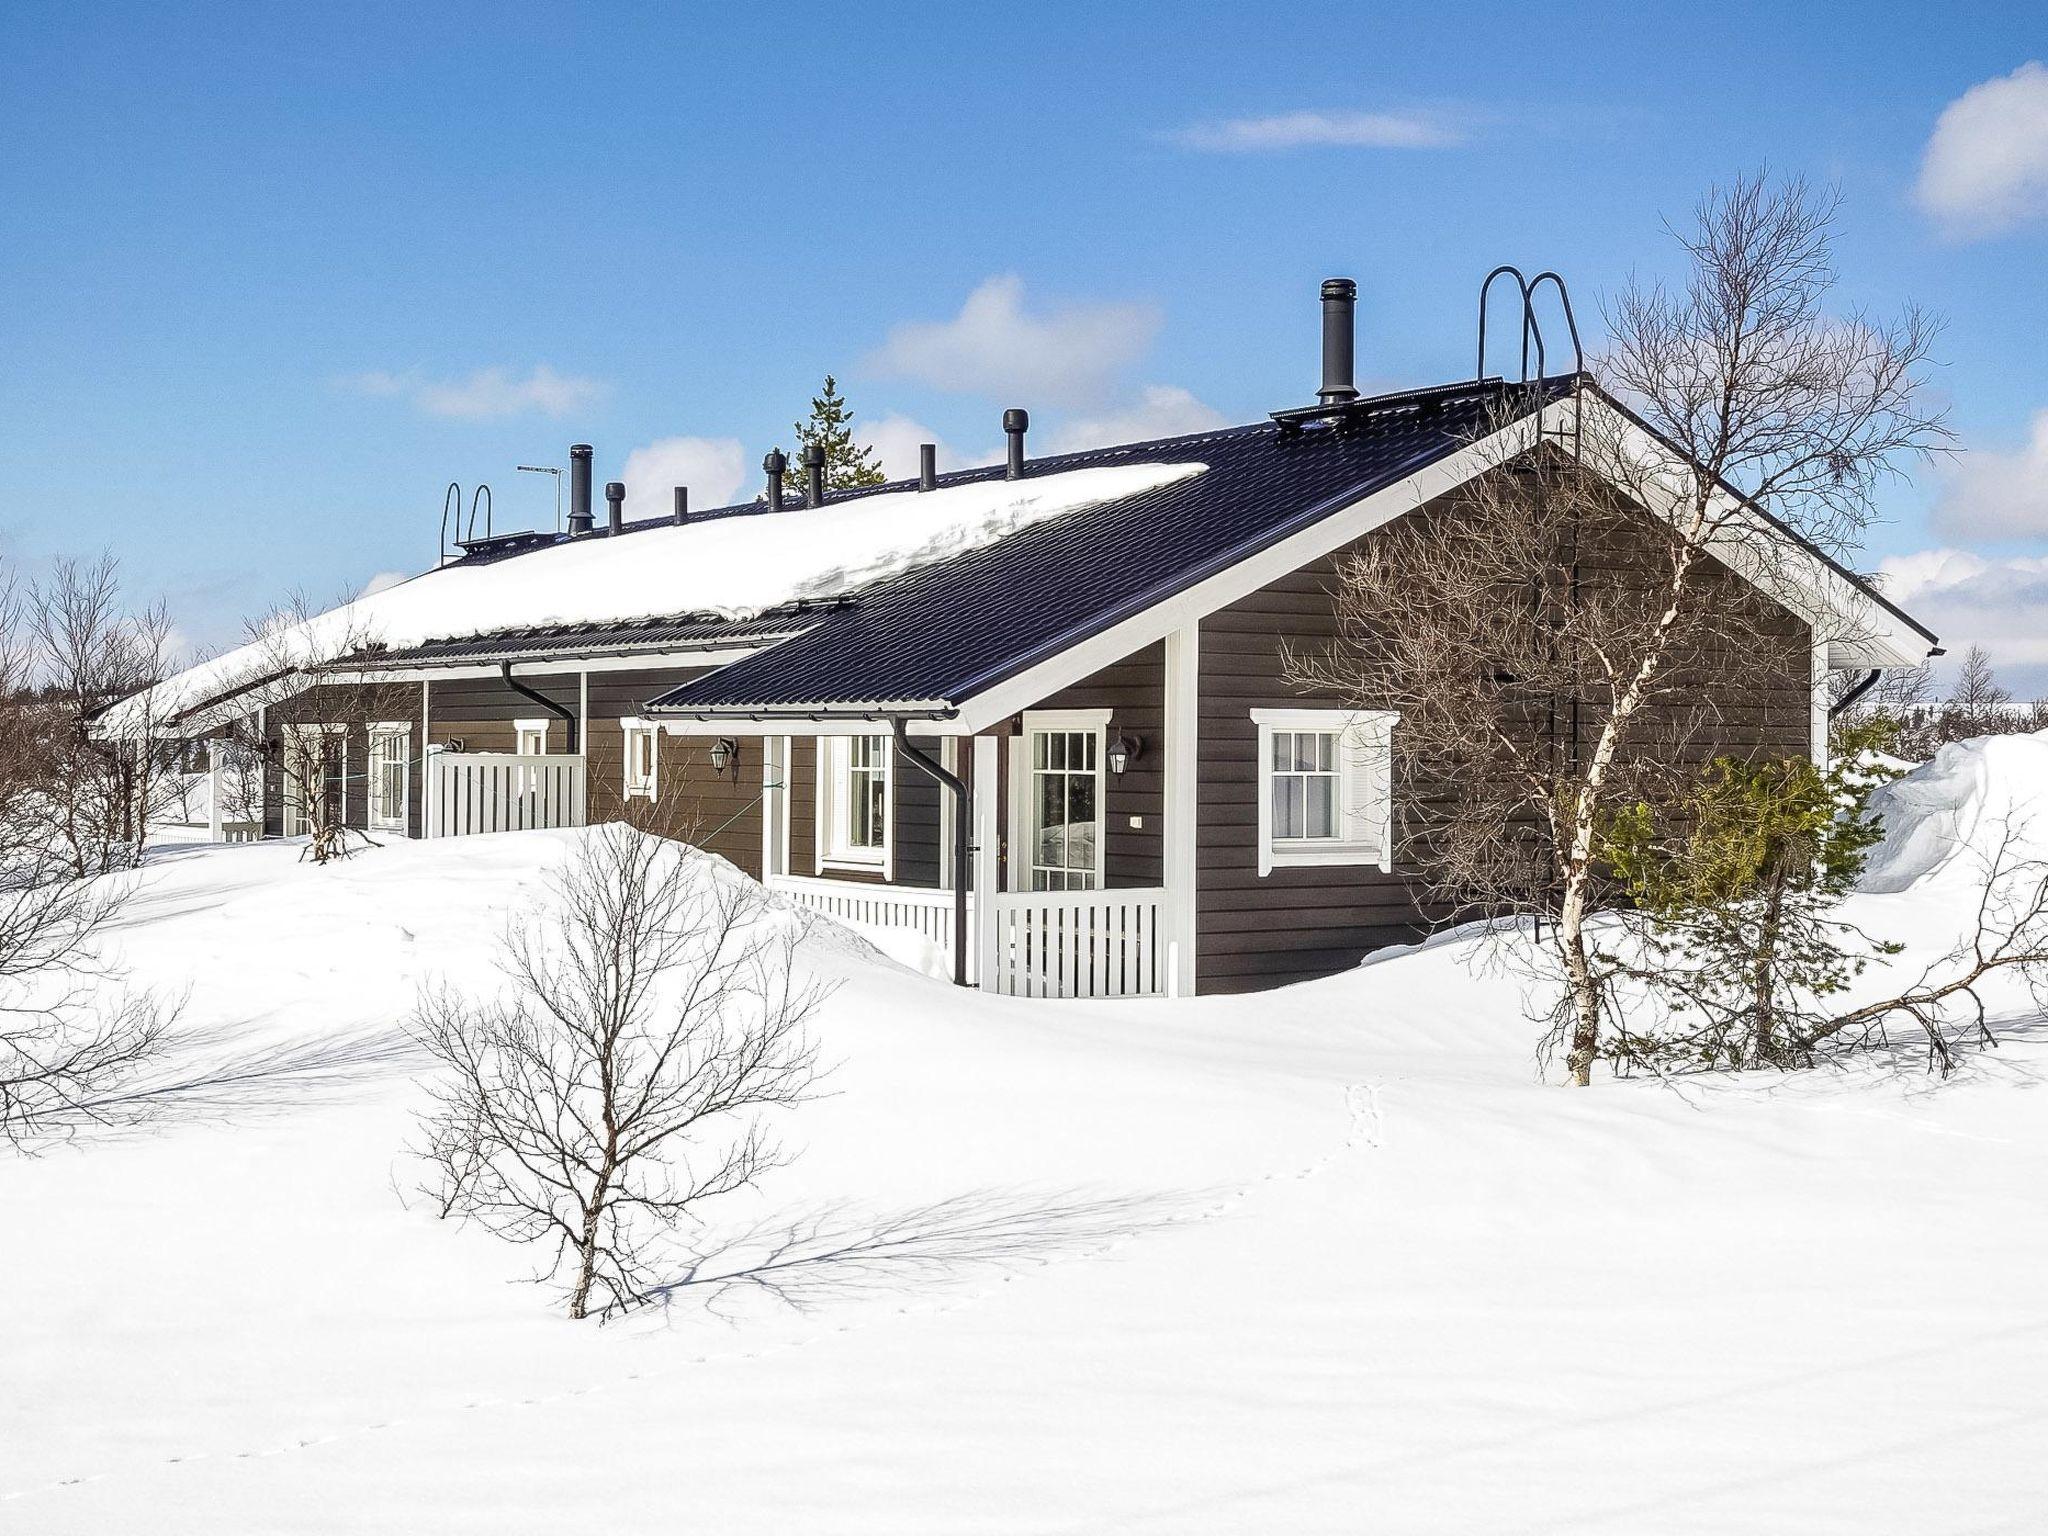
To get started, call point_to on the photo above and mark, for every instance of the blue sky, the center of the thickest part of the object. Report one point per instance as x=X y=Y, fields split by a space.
x=277 y=275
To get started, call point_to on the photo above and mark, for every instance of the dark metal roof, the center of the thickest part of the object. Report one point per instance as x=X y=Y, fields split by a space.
x=950 y=630
x=680 y=632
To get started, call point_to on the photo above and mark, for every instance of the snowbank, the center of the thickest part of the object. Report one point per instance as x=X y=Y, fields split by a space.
x=1944 y=822
x=731 y=566
x=1327 y=1260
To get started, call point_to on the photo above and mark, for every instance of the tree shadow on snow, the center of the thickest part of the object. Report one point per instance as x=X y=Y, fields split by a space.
x=207 y=1076
x=838 y=1252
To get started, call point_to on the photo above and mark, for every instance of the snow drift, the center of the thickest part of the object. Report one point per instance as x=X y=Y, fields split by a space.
x=734 y=567
x=1944 y=822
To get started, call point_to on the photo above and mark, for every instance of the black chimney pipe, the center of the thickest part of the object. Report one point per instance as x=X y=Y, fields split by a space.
x=1340 y=297
x=682 y=504
x=814 y=475
x=777 y=465
x=615 y=497
x=579 y=488
x=1016 y=422
x=927 y=466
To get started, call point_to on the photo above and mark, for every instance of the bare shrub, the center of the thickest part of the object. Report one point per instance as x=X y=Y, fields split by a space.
x=653 y=1012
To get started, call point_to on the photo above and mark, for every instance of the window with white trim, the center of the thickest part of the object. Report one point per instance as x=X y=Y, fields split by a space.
x=1060 y=782
x=390 y=775
x=853 y=802
x=643 y=760
x=1325 y=787
x=532 y=737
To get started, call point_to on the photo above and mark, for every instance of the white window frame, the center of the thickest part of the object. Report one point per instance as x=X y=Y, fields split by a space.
x=1023 y=787
x=637 y=788
x=294 y=808
x=835 y=793
x=387 y=730
x=1365 y=799
x=525 y=730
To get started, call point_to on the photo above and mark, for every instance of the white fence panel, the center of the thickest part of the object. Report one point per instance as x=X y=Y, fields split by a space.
x=1046 y=944
x=1079 y=943
x=474 y=792
x=924 y=911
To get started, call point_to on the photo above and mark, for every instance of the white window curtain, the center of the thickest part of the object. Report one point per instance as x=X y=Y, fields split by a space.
x=1325 y=787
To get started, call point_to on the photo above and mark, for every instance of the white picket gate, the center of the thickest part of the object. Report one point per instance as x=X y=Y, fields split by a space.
x=1077 y=943
x=472 y=792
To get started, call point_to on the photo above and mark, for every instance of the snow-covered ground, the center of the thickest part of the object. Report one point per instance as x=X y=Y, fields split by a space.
x=1327 y=1259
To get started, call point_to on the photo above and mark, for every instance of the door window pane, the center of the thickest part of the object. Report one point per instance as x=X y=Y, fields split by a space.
x=1065 y=828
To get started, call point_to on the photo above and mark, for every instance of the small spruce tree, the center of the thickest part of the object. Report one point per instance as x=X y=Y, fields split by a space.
x=848 y=464
x=1735 y=890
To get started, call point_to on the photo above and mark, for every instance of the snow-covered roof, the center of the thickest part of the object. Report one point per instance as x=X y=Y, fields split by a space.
x=733 y=565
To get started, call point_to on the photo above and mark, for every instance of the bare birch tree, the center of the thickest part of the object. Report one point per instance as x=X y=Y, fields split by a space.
x=1485 y=635
x=86 y=651
x=654 y=1014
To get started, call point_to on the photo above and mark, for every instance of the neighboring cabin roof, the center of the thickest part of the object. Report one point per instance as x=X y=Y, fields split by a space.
x=682 y=632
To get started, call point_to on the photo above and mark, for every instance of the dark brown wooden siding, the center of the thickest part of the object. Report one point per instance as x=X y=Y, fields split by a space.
x=718 y=811
x=1296 y=923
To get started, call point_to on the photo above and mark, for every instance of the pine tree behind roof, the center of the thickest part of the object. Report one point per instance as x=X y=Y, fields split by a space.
x=848 y=464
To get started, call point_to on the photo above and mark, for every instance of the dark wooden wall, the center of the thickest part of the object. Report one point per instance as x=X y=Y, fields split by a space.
x=1295 y=923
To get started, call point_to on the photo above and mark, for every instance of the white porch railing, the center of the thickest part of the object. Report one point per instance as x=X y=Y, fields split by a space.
x=1043 y=944
x=471 y=792
x=1078 y=943
x=922 y=910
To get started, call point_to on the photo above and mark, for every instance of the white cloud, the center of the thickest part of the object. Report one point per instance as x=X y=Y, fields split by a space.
x=1991 y=495
x=1986 y=166
x=1969 y=599
x=714 y=468
x=1320 y=130
x=895 y=439
x=1065 y=356
x=486 y=394
x=1161 y=410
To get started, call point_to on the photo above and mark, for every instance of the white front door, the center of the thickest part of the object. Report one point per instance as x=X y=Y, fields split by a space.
x=1060 y=787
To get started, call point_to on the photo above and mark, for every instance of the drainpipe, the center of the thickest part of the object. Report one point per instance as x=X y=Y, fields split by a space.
x=561 y=711
x=963 y=858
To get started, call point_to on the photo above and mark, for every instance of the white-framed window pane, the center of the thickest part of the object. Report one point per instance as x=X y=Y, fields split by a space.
x=1065 y=817
x=1305 y=786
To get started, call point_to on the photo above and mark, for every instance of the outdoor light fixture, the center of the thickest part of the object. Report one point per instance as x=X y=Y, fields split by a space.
x=1124 y=751
x=725 y=753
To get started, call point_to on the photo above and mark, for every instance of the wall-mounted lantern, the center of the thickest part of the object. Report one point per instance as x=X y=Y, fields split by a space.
x=725 y=753
x=1124 y=751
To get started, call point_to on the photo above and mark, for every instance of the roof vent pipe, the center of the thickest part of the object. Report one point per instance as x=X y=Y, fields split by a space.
x=777 y=465
x=1340 y=298
x=814 y=475
x=579 y=488
x=682 y=504
x=615 y=500
x=1016 y=422
x=927 y=466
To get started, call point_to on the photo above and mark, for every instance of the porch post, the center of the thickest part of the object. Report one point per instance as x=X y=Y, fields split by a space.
x=1183 y=830
x=987 y=854
x=774 y=805
x=216 y=830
